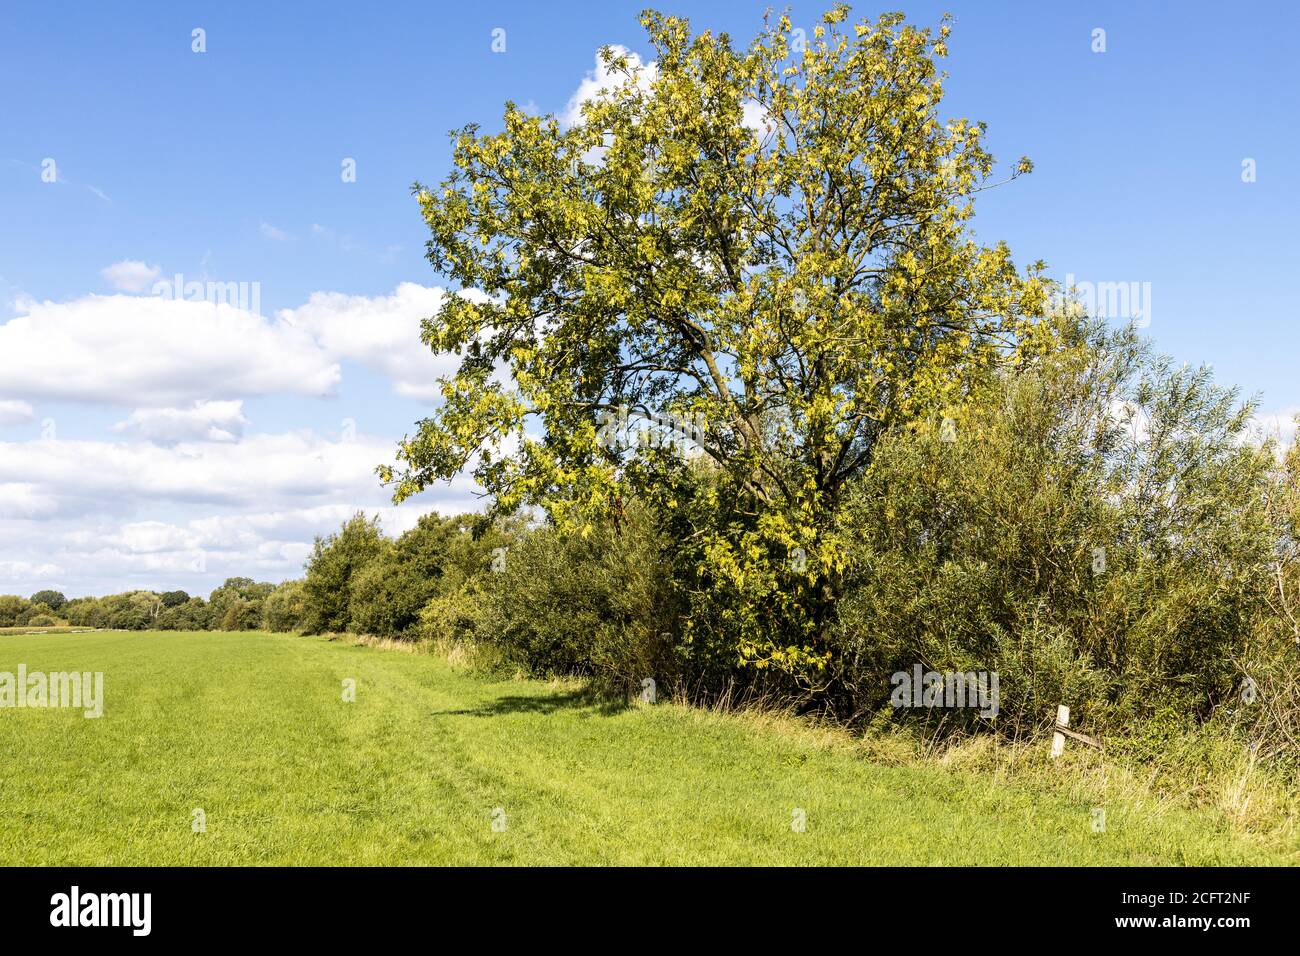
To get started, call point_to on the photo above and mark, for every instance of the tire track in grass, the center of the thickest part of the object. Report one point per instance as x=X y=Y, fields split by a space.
x=438 y=787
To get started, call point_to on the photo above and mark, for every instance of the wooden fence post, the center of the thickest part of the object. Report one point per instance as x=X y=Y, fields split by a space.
x=1058 y=738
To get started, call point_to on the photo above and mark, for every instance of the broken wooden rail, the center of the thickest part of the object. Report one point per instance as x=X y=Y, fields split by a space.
x=1063 y=730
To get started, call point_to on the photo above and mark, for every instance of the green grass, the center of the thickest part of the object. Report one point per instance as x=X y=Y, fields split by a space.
x=252 y=728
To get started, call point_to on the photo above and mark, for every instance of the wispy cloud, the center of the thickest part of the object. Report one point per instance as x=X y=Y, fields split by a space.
x=59 y=178
x=274 y=233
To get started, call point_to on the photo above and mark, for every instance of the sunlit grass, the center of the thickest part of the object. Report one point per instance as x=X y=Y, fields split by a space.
x=252 y=730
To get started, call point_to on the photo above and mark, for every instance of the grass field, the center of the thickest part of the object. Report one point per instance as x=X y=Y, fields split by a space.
x=252 y=729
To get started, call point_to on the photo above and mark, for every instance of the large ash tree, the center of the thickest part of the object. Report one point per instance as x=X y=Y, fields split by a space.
x=769 y=243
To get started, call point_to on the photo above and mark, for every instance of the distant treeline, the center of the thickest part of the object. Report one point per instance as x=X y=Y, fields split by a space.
x=357 y=581
x=240 y=604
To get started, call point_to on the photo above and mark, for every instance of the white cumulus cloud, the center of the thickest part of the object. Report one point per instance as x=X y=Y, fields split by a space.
x=147 y=351
x=643 y=75
x=381 y=333
x=204 y=421
x=111 y=516
x=602 y=78
x=16 y=413
x=26 y=571
x=130 y=275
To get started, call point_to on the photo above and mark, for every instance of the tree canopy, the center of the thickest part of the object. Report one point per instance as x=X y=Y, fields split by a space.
x=764 y=250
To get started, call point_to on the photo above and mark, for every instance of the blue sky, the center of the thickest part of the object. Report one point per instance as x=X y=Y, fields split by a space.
x=226 y=165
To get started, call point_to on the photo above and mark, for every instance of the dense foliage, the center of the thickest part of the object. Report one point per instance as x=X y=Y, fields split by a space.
x=873 y=443
x=763 y=250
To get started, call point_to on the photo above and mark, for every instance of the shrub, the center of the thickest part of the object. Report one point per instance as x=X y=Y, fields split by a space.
x=334 y=560
x=456 y=611
x=601 y=605
x=191 y=615
x=11 y=608
x=1097 y=536
x=284 y=607
x=387 y=595
x=34 y=610
x=1267 y=709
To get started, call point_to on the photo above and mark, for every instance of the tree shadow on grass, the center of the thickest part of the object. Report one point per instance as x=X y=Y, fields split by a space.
x=583 y=703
